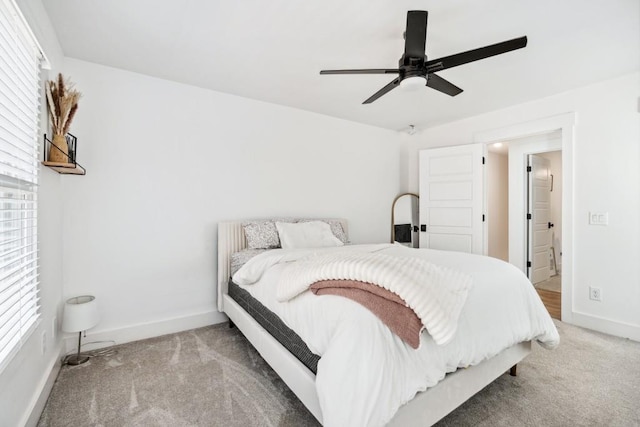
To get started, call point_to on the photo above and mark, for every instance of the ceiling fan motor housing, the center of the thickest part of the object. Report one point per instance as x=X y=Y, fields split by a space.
x=412 y=67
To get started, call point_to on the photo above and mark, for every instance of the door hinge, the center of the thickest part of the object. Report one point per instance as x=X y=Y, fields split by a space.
x=528 y=168
x=528 y=216
x=482 y=217
x=483 y=160
x=528 y=263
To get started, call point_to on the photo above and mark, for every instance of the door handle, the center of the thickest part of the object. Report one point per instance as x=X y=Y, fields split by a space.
x=550 y=225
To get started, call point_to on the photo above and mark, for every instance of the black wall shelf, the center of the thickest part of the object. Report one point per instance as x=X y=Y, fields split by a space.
x=66 y=168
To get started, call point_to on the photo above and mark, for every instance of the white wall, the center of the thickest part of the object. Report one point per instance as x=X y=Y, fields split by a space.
x=607 y=179
x=555 y=211
x=498 y=205
x=25 y=383
x=166 y=161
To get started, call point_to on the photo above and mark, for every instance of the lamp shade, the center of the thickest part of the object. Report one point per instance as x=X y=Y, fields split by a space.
x=80 y=314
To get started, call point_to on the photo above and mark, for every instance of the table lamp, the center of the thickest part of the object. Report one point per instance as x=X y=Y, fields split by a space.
x=80 y=314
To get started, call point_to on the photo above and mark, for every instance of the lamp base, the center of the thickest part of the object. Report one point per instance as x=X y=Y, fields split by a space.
x=76 y=360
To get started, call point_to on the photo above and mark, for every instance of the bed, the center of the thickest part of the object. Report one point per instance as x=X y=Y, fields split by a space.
x=425 y=407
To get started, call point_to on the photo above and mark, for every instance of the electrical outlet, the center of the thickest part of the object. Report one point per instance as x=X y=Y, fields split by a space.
x=43 y=346
x=595 y=293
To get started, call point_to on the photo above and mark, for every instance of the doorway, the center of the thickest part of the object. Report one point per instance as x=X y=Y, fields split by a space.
x=550 y=222
x=537 y=195
x=544 y=237
x=565 y=125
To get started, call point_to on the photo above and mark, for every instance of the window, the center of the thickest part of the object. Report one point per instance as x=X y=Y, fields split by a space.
x=19 y=113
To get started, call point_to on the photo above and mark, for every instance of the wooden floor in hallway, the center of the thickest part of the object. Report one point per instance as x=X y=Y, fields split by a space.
x=551 y=301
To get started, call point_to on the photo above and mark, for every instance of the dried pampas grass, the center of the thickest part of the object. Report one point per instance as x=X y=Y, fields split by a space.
x=62 y=99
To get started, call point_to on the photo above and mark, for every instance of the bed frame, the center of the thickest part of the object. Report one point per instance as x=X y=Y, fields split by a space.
x=426 y=408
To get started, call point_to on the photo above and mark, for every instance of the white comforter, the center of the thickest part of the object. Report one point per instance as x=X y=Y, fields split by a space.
x=436 y=294
x=366 y=372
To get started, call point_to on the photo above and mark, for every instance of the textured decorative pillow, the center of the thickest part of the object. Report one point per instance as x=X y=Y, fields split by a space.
x=336 y=228
x=238 y=259
x=309 y=234
x=261 y=234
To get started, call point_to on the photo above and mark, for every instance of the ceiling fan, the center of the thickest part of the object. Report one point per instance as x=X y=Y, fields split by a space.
x=415 y=70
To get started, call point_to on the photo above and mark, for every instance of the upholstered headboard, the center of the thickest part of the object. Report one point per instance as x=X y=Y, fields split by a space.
x=231 y=239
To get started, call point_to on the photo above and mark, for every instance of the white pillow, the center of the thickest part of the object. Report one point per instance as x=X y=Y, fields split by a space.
x=313 y=234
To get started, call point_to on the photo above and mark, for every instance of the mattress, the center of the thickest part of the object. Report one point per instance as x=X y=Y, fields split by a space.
x=276 y=327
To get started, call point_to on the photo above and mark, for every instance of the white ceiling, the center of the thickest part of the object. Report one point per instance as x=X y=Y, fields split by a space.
x=273 y=50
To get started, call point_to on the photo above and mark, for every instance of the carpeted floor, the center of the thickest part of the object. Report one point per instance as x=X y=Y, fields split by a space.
x=213 y=377
x=205 y=377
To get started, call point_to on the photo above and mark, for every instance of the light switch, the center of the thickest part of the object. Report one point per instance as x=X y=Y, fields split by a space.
x=599 y=218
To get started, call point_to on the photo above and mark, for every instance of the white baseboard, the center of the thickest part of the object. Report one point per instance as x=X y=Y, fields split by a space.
x=608 y=326
x=146 y=330
x=44 y=389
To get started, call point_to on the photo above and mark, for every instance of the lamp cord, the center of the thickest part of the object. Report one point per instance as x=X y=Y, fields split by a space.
x=109 y=351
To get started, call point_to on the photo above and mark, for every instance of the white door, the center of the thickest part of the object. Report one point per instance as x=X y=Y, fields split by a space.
x=452 y=198
x=538 y=216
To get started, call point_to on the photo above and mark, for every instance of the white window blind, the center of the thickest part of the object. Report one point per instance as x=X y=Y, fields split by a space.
x=19 y=114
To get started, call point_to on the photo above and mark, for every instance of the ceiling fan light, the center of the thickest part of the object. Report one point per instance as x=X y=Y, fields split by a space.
x=413 y=83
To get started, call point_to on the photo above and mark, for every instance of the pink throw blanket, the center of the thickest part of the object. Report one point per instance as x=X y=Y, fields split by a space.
x=389 y=307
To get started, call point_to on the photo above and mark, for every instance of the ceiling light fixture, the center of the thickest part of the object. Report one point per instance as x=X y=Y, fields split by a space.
x=498 y=144
x=413 y=83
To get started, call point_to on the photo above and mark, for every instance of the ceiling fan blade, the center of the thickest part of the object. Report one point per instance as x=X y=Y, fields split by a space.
x=367 y=71
x=475 y=54
x=436 y=82
x=415 y=36
x=388 y=88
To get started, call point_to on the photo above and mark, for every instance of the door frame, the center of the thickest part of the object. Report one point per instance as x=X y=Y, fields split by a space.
x=517 y=199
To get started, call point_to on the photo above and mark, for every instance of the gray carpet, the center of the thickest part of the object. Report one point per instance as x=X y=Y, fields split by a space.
x=213 y=377
x=205 y=377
